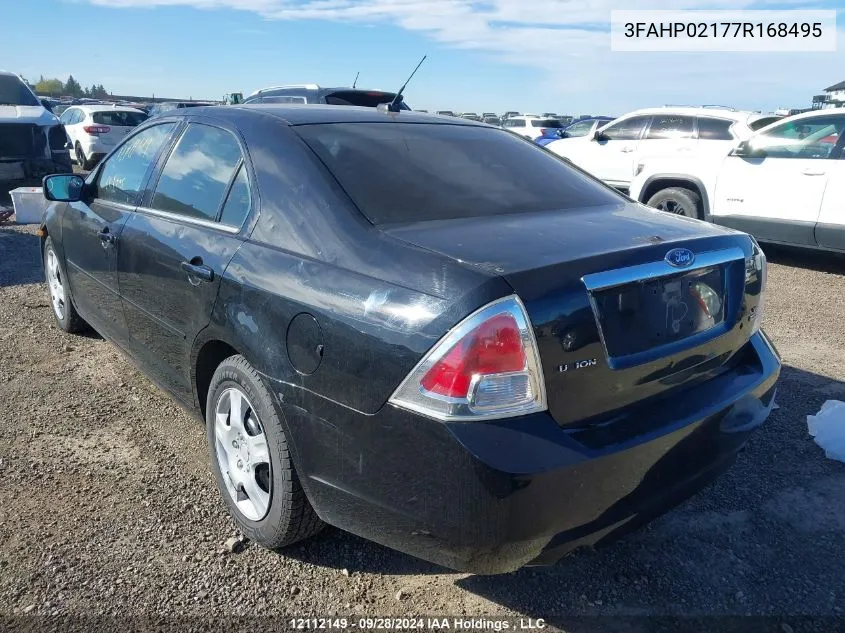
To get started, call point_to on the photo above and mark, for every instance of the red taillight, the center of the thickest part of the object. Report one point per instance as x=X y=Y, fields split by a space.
x=96 y=130
x=486 y=367
x=494 y=347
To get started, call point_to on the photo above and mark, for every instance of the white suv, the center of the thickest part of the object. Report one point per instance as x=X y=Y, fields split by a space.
x=94 y=130
x=615 y=149
x=531 y=126
x=785 y=184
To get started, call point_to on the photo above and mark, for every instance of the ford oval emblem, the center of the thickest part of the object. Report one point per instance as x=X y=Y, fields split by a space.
x=680 y=257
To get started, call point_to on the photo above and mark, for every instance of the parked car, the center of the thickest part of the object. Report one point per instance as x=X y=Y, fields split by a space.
x=445 y=113
x=93 y=130
x=509 y=114
x=613 y=150
x=785 y=184
x=356 y=364
x=492 y=120
x=470 y=116
x=32 y=141
x=484 y=115
x=312 y=93
x=168 y=106
x=531 y=126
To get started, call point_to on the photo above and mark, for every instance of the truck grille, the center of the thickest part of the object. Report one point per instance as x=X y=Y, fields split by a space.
x=21 y=141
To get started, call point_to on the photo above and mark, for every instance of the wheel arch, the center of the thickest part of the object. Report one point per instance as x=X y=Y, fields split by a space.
x=208 y=353
x=659 y=182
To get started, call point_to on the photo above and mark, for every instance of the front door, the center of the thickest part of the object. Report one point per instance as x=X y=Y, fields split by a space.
x=176 y=247
x=611 y=157
x=776 y=193
x=92 y=228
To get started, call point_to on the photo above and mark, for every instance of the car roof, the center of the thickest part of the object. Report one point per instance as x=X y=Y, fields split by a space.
x=106 y=108
x=304 y=114
x=711 y=111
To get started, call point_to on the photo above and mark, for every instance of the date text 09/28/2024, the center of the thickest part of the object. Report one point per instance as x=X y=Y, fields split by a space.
x=418 y=624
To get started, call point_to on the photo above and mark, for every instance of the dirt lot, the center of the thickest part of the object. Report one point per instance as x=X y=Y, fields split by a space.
x=107 y=505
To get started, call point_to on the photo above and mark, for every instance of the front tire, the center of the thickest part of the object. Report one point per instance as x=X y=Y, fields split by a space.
x=679 y=201
x=251 y=460
x=67 y=317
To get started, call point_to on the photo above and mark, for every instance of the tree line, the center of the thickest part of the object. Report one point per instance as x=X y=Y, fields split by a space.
x=71 y=87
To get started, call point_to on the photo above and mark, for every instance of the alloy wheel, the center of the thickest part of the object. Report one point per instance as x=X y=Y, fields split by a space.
x=243 y=454
x=671 y=206
x=56 y=285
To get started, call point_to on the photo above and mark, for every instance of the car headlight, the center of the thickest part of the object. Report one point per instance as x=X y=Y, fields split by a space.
x=755 y=275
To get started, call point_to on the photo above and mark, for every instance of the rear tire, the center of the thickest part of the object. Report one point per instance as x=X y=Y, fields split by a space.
x=251 y=460
x=65 y=313
x=679 y=201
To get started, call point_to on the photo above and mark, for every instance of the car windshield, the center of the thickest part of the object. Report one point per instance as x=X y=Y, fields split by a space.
x=398 y=172
x=14 y=92
x=365 y=98
x=119 y=118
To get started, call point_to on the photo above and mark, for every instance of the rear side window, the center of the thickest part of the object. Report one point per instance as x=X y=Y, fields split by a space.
x=714 y=129
x=119 y=119
x=122 y=175
x=626 y=130
x=546 y=123
x=417 y=172
x=237 y=203
x=514 y=123
x=197 y=173
x=670 y=126
x=283 y=99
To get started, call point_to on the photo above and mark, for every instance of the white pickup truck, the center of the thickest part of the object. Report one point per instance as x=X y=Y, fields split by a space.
x=785 y=184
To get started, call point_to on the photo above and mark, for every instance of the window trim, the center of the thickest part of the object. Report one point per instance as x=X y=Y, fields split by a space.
x=147 y=199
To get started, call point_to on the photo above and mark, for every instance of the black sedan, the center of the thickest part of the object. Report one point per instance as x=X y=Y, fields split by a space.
x=426 y=331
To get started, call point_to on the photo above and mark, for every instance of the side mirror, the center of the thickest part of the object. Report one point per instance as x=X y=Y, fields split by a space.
x=746 y=150
x=598 y=135
x=63 y=187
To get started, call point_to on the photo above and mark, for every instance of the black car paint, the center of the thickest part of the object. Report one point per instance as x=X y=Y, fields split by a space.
x=484 y=497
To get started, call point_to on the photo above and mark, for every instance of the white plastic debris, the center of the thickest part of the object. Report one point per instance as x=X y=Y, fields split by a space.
x=828 y=429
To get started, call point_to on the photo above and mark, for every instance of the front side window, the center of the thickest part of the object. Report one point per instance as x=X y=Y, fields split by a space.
x=122 y=176
x=670 y=126
x=546 y=123
x=197 y=173
x=398 y=172
x=814 y=137
x=66 y=116
x=625 y=130
x=579 y=129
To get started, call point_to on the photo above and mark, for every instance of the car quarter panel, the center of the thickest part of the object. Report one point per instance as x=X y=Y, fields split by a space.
x=379 y=303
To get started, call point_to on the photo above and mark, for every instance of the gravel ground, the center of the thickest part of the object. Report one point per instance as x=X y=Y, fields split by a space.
x=107 y=504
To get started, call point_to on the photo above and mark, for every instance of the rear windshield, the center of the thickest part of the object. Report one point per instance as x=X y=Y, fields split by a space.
x=365 y=98
x=119 y=119
x=397 y=172
x=546 y=123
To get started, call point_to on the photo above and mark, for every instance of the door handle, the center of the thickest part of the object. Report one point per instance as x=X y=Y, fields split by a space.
x=626 y=150
x=106 y=238
x=198 y=270
x=813 y=172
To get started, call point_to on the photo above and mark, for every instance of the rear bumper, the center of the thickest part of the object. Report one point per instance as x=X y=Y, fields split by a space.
x=491 y=497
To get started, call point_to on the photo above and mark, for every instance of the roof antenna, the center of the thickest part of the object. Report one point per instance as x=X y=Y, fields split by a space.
x=355 y=83
x=393 y=106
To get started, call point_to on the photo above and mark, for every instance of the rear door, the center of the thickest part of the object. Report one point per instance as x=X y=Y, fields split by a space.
x=176 y=246
x=667 y=135
x=92 y=229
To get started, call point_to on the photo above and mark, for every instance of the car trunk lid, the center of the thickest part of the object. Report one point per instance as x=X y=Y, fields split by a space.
x=615 y=322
